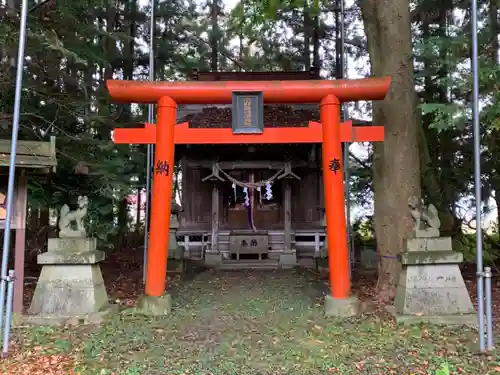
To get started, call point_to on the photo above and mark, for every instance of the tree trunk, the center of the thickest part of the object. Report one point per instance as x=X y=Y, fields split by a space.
x=44 y=228
x=396 y=162
x=214 y=37
x=316 y=45
x=306 y=52
x=339 y=48
x=122 y=223
x=138 y=210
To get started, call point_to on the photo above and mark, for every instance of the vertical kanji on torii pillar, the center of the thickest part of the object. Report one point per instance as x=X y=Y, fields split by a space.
x=161 y=198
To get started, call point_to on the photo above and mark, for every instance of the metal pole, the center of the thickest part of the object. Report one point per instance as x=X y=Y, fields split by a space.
x=489 y=314
x=150 y=152
x=13 y=152
x=477 y=174
x=8 y=314
x=347 y=187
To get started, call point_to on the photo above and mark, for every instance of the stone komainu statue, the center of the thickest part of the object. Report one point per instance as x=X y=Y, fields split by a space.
x=67 y=217
x=426 y=219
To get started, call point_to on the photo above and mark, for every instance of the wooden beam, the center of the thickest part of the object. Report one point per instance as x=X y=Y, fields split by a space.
x=214 y=176
x=287 y=204
x=215 y=218
x=39 y=148
x=29 y=154
x=271 y=135
x=231 y=165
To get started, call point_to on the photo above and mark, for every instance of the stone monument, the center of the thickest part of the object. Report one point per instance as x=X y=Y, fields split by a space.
x=70 y=289
x=175 y=251
x=321 y=257
x=431 y=287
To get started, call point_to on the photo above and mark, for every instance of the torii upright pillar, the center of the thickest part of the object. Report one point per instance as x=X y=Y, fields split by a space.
x=339 y=303
x=156 y=301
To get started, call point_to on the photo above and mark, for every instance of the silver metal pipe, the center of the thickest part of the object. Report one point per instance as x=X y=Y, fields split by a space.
x=477 y=174
x=489 y=313
x=150 y=151
x=13 y=152
x=8 y=314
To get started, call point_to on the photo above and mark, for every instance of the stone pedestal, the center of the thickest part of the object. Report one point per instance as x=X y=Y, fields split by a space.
x=288 y=259
x=341 y=307
x=155 y=306
x=321 y=258
x=431 y=287
x=175 y=251
x=176 y=261
x=213 y=259
x=70 y=288
x=368 y=259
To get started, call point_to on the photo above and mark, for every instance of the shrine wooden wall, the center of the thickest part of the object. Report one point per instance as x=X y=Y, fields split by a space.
x=306 y=200
x=197 y=204
x=196 y=200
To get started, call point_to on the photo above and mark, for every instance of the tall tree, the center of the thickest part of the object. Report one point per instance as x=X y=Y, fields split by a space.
x=396 y=160
x=214 y=37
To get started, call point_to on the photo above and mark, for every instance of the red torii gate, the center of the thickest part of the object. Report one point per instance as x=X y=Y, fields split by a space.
x=329 y=132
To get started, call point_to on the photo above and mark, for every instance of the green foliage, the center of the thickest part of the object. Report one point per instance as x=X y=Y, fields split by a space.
x=269 y=9
x=364 y=232
x=444 y=115
x=491 y=247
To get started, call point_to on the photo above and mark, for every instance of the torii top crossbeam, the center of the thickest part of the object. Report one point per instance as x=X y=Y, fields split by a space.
x=311 y=91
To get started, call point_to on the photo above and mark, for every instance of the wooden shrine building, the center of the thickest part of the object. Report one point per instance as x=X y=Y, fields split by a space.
x=283 y=214
x=32 y=157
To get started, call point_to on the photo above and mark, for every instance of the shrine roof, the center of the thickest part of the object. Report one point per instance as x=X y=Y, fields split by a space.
x=312 y=73
x=274 y=116
x=30 y=154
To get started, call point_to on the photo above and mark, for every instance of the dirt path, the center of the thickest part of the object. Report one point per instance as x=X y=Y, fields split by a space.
x=241 y=323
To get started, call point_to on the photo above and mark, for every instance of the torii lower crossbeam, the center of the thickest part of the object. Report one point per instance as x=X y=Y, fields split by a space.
x=184 y=135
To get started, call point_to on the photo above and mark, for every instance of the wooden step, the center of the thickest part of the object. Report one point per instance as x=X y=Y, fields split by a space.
x=307 y=262
x=266 y=264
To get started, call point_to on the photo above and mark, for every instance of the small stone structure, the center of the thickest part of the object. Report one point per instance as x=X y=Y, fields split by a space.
x=431 y=287
x=175 y=251
x=70 y=289
x=321 y=258
x=368 y=259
